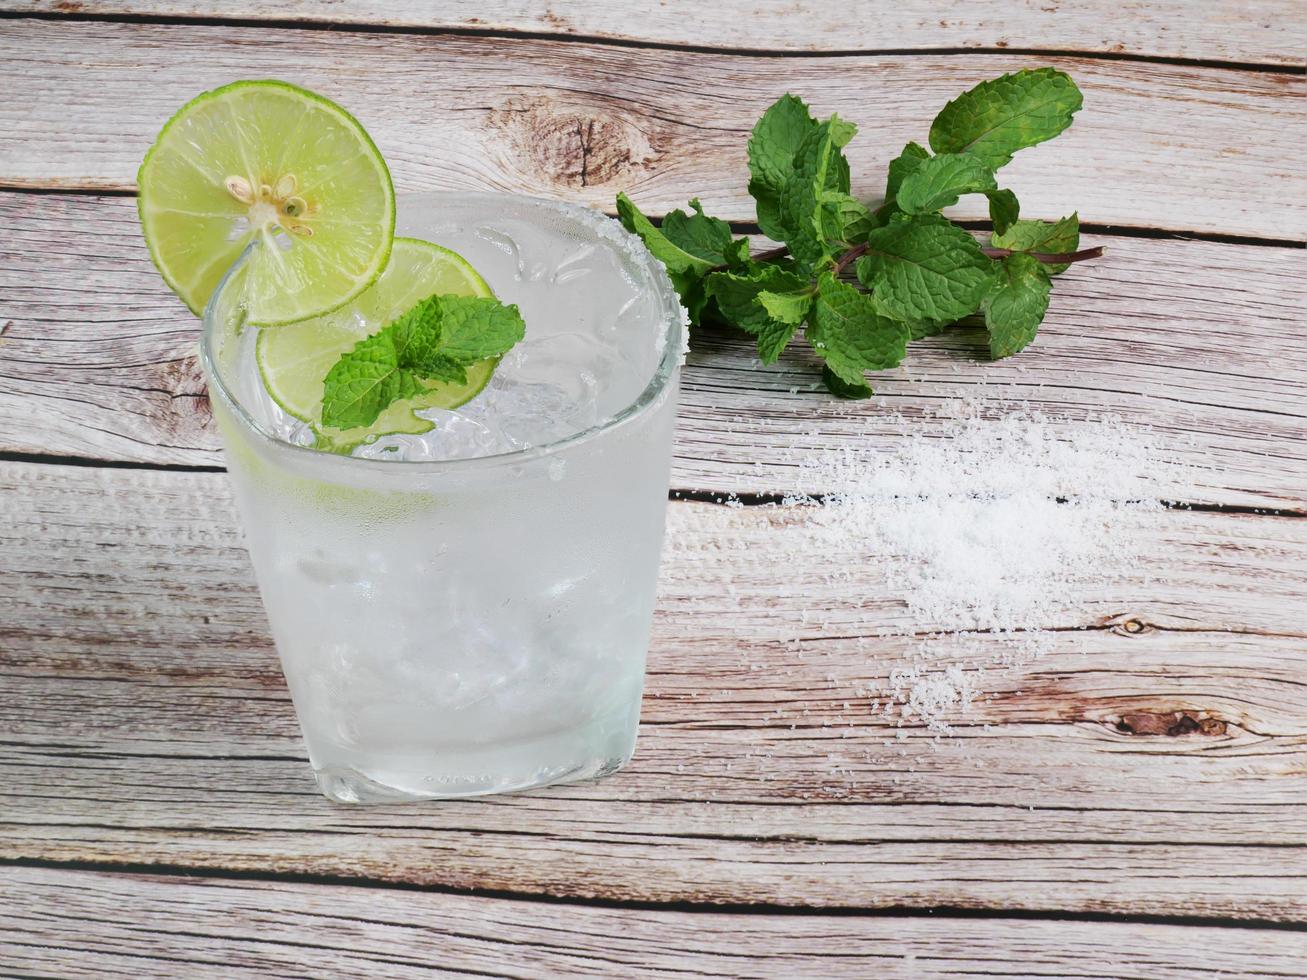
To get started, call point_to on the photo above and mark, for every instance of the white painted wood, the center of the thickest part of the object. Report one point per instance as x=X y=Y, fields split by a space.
x=129 y=926
x=1165 y=146
x=146 y=722
x=1268 y=32
x=1202 y=341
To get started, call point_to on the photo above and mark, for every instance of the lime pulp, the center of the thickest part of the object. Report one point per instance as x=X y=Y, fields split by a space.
x=294 y=359
x=267 y=160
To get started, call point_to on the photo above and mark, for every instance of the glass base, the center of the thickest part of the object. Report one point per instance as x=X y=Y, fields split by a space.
x=451 y=770
x=345 y=785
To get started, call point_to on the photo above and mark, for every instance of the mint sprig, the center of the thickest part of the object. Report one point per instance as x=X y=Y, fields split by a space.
x=435 y=341
x=917 y=272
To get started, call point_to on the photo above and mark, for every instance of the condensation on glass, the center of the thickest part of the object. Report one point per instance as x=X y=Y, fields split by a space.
x=455 y=627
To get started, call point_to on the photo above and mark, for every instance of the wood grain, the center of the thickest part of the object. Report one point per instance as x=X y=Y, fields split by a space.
x=1200 y=340
x=1157 y=145
x=131 y=926
x=762 y=773
x=1269 y=33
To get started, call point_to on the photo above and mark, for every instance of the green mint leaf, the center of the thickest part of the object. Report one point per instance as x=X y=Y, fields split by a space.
x=843 y=218
x=441 y=368
x=773 y=338
x=925 y=268
x=737 y=254
x=1056 y=237
x=689 y=247
x=365 y=381
x=900 y=167
x=739 y=299
x=776 y=139
x=785 y=311
x=840 y=388
x=937 y=183
x=474 y=328
x=677 y=255
x=432 y=341
x=737 y=293
x=707 y=239
x=1004 y=208
x=789 y=307
x=928 y=328
x=999 y=117
x=416 y=334
x=1016 y=304
x=820 y=179
x=849 y=334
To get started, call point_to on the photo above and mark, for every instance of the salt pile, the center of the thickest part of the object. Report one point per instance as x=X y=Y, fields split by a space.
x=990 y=531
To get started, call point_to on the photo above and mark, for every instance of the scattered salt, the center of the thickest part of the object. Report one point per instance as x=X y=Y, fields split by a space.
x=993 y=529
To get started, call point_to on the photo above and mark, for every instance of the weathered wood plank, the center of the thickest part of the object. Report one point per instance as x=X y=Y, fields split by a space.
x=1203 y=341
x=113 y=925
x=584 y=121
x=762 y=775
x=1271 y=33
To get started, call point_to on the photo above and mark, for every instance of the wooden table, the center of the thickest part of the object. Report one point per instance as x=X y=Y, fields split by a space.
x=1133 y=804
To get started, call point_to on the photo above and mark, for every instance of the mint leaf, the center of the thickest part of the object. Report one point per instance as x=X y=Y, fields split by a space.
x=789 y=307
x=999 y=117
x=922 y=273
x=776 y=139
x=441 y=368
x=416 y=334
x=433 y=341
x=785 y=312
x=1003 y=210
x=737 y=293
x=739 y=299
x=1016 y=304
x=707 y=239
x=773 y=338
x=925 y=268
x=473 y=328
x=901 y=166
x=937 y=183
x=1056 y=237
x=679 y=244
x=820 y=181
x=850 y=335
x=844 y=218
x=364 y=381
x=689 y=246
x=840 y=388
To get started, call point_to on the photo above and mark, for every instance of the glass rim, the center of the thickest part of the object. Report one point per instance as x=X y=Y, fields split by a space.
x=671 y=360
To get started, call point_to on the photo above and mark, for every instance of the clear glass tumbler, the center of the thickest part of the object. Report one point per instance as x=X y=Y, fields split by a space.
x=468 y=626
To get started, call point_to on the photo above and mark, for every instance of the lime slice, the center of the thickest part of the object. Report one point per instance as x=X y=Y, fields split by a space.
x=295 y=359
x=273 y=162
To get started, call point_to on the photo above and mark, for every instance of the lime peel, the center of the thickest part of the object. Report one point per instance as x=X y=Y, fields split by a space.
x=234 y=165
x=294 y=359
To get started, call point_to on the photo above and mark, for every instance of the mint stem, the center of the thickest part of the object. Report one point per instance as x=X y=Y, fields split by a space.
x=848 y=257
x=1050 y=258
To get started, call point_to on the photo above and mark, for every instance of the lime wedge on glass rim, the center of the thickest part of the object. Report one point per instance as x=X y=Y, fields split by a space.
x=294 y=359
x=267 y=160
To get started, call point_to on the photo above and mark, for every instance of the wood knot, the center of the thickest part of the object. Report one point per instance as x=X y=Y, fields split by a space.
x=1127 y=625
x=574 y=146
x=187 y=412
x=1172 y=723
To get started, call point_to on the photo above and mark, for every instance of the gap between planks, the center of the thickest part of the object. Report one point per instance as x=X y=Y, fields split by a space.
x=773 y=785
x=223 y=928
x=667 y=124
x=1156 y=31
x=1154 y=333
